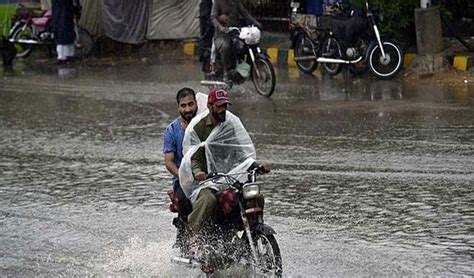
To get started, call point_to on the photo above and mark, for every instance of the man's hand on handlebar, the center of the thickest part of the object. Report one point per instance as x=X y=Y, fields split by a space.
x=224 y=29
x=200 y=176
x=264 y=167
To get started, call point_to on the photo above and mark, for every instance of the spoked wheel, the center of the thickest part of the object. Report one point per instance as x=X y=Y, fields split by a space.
x=386 y=67
x=20 y=33
x=331 y=49
x=304 y=47
x=269 y=255
x=263 y=77
x=83 y=44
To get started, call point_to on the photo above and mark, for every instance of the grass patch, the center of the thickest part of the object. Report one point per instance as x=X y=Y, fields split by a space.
x=6 y=12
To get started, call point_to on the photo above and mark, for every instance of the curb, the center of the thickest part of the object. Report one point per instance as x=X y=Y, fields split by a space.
x=285 y=57
x=463 y=62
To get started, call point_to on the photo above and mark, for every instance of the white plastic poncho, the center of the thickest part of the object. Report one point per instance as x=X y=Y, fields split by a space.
x=228 y=149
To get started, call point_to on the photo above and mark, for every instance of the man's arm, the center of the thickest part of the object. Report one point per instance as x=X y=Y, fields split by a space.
x=214 y=15
x=169 y=151
x=197 y=162
x=246 y=15
x=217 y=19
x=170 y=165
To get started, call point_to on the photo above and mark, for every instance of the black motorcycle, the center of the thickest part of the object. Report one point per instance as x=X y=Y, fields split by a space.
x=351 y=39
x=243 y=237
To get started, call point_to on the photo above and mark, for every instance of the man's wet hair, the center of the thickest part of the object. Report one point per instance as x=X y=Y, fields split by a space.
x=184 y=92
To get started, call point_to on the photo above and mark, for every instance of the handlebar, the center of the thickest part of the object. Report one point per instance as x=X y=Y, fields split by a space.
x=230 y=179
x=233 y=28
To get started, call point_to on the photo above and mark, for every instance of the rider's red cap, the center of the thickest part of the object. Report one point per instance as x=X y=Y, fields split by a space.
x=218 y=97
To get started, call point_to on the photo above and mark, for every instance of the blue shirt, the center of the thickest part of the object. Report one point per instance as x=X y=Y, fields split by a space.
x=173 y=140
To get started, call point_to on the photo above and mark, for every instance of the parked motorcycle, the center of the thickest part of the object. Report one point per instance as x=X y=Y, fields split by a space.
x=30 y=30
x=251 y=64
x=243 y=237
x=323 y=45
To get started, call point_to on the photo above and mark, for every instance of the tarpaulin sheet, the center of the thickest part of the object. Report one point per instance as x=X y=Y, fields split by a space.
x=91 y=17
x=46 y=5
x=134 y=21
x=174 y=19
x=126 y=20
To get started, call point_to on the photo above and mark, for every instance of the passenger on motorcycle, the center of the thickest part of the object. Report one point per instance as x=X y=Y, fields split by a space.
x=173 y=154
x=214 y=142
x=225 y=14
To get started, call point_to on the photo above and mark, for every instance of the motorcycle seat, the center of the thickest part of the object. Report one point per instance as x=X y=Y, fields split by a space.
x=42 y=21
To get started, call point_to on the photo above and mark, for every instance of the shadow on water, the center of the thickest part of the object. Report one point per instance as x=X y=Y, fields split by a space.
x=370 y=177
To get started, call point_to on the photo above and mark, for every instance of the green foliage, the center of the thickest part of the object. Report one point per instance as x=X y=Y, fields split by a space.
x=6 y=12
x=398 y=17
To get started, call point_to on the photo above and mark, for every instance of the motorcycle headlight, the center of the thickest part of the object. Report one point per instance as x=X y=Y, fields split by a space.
x=251 y=190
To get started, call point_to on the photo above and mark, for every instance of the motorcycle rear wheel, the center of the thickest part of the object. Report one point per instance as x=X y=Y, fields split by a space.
x=386 y=68
x=269 y=255
x=263 y=77
x=331 y=49
x=304 y=47
x=23 y=50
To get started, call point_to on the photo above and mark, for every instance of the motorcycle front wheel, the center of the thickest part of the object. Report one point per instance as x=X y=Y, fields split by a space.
x=304 y=47
x=269 y=256
x=331 y=49
x=388 y=66
x=263 y=77
x=23 y=49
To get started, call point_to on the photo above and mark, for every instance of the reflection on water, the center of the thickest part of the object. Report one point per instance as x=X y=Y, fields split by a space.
x=370 y=177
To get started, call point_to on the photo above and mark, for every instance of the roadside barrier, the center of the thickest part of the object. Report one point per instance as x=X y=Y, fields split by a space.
x=285 y=57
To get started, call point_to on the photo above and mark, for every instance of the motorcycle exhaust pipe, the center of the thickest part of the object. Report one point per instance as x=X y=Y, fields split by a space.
x=24 y=41
x=305 y=58
x=338 y=61
x=186 y=261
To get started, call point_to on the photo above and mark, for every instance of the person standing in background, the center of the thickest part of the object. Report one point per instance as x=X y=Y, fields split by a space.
x=63 y=12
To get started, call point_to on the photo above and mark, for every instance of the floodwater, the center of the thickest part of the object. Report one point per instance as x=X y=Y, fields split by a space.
x=371 y=178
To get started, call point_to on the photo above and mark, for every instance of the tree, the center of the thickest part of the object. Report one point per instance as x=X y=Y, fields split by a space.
x=398 y=18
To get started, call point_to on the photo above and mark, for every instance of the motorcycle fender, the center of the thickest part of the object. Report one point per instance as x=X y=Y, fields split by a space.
x=369 y=49
x=293 y=37
x=265 y=229
x=263 y=55
x=13 y=29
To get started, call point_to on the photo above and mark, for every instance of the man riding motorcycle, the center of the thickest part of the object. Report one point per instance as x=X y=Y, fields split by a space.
x=214 y=142
x=225 y=14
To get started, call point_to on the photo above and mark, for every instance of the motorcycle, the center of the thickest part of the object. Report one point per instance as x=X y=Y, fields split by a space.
x=244 y=238
x=383 y=57
x=251 y=63
x=30 y=30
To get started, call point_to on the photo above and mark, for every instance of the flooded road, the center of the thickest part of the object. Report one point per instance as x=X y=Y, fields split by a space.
x=371 y=178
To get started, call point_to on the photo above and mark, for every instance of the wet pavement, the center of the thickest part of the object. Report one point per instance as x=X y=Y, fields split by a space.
x=371 y=177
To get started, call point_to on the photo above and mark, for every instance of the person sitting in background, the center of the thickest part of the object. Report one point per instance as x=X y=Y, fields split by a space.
x=8 y=52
